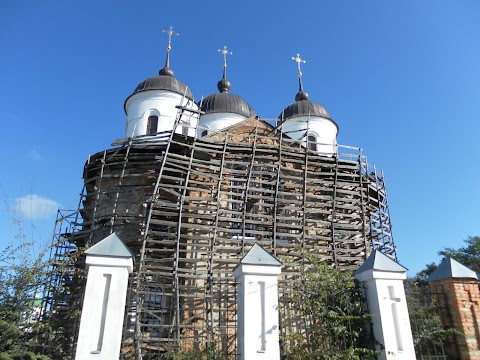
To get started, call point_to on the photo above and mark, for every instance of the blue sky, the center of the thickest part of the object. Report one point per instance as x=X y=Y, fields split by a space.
x=401 y=79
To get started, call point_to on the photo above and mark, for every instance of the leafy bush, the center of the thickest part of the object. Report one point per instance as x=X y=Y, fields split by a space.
x=20 y=279
x=22 y=355
x=331 y=307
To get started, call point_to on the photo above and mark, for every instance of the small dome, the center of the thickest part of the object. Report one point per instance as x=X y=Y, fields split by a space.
x=304 y=108
x=224 y=86
x=301 y=95
x=226 y=103
x=166 y=71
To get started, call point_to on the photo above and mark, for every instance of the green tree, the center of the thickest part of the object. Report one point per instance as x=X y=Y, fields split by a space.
x=468 y=255
x=23 y=269
x=21 y=277
x=422 y=275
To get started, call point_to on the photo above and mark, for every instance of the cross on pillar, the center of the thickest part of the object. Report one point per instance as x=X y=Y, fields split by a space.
x=394 y=302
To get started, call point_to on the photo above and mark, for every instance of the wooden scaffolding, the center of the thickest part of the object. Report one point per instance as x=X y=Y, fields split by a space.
x=190 y=208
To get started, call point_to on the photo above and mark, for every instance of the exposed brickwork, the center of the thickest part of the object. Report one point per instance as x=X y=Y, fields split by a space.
x=463 y=301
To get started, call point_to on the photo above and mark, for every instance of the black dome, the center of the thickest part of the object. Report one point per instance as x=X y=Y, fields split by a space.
x=304 y=108
x=164 y=82
x=226 y=103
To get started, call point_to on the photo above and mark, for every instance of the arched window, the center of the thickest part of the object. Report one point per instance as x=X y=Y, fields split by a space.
x=152 y=124
x=204 y=132
x=312 y=142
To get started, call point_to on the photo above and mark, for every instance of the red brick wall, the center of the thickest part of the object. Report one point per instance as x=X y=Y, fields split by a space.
x=463 y=302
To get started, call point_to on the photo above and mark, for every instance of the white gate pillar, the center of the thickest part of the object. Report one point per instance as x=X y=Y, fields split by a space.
x=109 y=264
x=383 y=280
x=257 y=305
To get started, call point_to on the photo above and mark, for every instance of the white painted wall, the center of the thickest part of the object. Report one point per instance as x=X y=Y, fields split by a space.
x=324 y=129
x=161 y=103
x=217 y=121
x=103 y=309
x=387 y=303
x=258 y=324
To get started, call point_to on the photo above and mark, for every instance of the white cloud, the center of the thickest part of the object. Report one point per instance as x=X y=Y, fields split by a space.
x=36 y=207
x=34 y=155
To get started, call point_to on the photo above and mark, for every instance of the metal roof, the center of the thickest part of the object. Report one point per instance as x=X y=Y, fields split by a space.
x=257 y=255
x=162 y=82
x=226 y=103
x=112 y=245
x=450 y=268
x=380 y=262
x=304 y=108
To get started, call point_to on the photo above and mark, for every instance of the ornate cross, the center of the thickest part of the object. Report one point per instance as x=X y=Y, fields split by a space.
x=299 y=60
x=225 y=52
x=170 y=32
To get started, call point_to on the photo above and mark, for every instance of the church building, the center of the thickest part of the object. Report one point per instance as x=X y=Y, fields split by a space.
x=194 y=185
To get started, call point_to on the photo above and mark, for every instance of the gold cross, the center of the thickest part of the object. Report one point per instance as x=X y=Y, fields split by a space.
x=299 y=60
x=170 y=32
x=225 y=52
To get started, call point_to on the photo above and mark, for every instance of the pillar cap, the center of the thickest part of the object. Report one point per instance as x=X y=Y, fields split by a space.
x=257 y=255
x=450 y=268
x=111 y=246
x=258 y=261
x=380 y=262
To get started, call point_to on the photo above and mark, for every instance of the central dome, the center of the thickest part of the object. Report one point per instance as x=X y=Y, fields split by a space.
x=226 y=103
x=223 y=109
x=304 y=108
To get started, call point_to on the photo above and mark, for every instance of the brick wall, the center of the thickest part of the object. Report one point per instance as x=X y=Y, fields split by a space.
x=463 y=302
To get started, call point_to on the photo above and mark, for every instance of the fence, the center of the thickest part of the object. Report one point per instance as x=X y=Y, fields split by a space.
x=431 y=322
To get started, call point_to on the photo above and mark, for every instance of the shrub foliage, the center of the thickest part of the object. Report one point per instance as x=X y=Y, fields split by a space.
x=334 y=316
